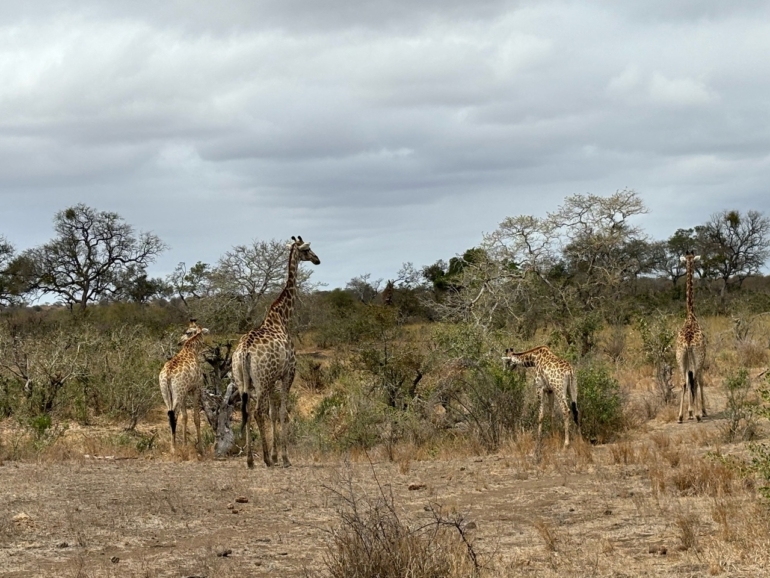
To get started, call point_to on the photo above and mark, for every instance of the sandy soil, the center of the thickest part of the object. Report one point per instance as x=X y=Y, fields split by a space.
x=577 y=513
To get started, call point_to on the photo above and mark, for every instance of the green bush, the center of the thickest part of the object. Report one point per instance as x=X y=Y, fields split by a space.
x=600 y=404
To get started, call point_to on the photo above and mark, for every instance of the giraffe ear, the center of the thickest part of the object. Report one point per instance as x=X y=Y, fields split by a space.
x=204 y=330
x=696 y=258
x=683 y=259
x=304 y=246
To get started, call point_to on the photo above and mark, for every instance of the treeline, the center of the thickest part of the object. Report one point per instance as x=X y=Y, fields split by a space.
x=412 y=357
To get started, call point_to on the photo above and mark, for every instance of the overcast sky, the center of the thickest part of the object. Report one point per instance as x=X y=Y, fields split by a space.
x=383 y=131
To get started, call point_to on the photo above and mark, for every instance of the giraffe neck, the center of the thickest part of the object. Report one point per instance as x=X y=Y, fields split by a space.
x=194 y=344
x=690 y=312
x=529 y=358
x=282 y=308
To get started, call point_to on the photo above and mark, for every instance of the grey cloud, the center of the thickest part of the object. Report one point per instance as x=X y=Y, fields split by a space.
x=382 y=131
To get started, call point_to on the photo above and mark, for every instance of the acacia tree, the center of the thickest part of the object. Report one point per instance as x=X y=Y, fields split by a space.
x=736 y=245
x=91 y=255
x=666 y=254
x=570 y=267
x=6 y=256
x=235 y=292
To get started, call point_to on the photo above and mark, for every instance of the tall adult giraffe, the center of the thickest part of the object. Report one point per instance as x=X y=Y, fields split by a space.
x=181 y=376
x=265 y=355
x=691 y=350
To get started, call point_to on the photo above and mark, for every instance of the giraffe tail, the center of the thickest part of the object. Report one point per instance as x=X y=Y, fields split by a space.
x=691 y=373
x=168 y=395
x=573 y=399
x=172 y=421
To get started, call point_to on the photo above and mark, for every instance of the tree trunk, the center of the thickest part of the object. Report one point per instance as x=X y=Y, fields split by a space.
x=219 y=412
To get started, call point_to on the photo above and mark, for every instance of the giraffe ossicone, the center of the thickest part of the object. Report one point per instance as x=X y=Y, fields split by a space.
x=265 y=356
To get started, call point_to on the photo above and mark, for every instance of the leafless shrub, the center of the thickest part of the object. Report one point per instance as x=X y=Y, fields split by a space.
x=547 y=534
x=703 y=476
x=751 y=354
x=374 y=539
x=615 y=343
x=687 y=524
x=623 y=453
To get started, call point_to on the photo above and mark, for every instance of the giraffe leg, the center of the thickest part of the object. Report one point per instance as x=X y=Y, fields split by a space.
x=702 y=400
x=285 y=386
x=697 y=396
x=684 y=393
x=262 y=407
x=183 y=409
x=172 y=423
x=565 y=409
x=541 y=400
x=274 y=422
x=549 y=394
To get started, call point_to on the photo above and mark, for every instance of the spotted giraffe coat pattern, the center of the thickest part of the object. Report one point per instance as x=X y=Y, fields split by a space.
x=180 y=377
x=691 y=351
x=265 y=356
x=552 y=375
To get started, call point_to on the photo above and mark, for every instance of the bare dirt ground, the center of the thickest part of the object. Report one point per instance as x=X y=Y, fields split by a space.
x=616 y=510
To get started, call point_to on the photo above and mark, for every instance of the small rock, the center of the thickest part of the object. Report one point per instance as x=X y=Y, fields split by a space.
x=114 y=559
x=572 y=509
x=265 y=540
x=234 y=511
x=224 y=553
x=470 y=526
x=607 y=512
x=462 y=469
x=658 y=549
x=242 y=500
x=416 y=486
x=21 y=517
x=230 y=506
x=62 y=545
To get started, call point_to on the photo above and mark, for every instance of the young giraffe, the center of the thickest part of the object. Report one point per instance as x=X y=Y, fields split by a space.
x=181 y=375
x=551 y=372
x=691 y=351
x=265 y=355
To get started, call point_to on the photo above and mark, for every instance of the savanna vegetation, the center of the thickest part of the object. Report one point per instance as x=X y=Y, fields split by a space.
x=408 y=368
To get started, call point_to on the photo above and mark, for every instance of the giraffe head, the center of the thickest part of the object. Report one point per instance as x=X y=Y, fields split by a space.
x=511 y=359
x=304 y=253
x=193 y=330
x=689 y=256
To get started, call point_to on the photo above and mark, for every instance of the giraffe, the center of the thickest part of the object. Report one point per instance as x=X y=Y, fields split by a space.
x=691 y=350
x=265 y=355
x=551 y=372
x=181 y=375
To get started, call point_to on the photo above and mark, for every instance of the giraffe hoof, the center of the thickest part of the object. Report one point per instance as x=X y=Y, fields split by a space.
x=697 y=417
x=679 y=420
x=286 y=463
x=250 y=462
